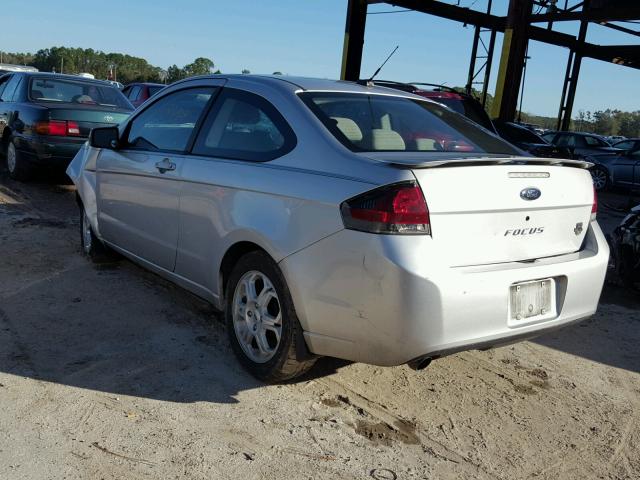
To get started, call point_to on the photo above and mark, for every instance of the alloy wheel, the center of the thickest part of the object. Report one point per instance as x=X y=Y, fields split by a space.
x=11 y=158
x=599 y=178
x=87 y=239
x=257 y=316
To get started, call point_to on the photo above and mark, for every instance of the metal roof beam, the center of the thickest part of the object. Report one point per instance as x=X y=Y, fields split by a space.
x=452 y=12
x=591 y=15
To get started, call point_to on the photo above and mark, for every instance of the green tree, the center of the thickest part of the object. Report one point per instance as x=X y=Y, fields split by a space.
x=245 y=71
x=200 y=66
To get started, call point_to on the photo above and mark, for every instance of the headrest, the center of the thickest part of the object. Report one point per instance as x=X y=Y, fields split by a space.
x=386 y=140
x=349 y=128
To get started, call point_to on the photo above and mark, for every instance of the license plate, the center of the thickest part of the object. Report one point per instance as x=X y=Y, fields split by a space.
x=532 y=300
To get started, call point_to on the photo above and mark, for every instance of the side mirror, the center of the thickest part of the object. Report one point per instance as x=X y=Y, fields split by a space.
x=104 y=137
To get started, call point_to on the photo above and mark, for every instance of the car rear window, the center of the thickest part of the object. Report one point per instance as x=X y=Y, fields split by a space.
x=460 y=104
x=78 y=92
x=515 y=133
x=374 y=122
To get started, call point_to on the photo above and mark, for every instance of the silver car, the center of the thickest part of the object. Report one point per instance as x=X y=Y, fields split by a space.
x=332 y=218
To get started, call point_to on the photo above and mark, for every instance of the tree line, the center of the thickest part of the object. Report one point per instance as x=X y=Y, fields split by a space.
x=602 y=122
x=112 y=66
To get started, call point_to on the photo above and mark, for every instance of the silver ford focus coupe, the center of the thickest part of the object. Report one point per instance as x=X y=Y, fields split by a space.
x=333 y=218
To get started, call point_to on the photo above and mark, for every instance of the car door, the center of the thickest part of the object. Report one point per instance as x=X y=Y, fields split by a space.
x=139 y=183
x=623 y=168
x=220 y=179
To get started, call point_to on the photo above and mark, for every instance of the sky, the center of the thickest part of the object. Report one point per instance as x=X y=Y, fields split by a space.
x=305 y=37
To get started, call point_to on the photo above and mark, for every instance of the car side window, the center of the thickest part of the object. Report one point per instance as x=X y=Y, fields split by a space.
x=244 y=126
x=594 y=142
x=578 y=141
x=168 y=123
x=624 y=145
x=10 y=88
x=134 y=93
x=3 y=83
x=566 y=141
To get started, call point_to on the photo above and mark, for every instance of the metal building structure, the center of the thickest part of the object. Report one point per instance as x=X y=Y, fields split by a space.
x=526 y=20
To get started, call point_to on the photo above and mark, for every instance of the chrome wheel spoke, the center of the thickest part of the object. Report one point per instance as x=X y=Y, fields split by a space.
x=266 y=295
x=271 y=322
x=263 y=344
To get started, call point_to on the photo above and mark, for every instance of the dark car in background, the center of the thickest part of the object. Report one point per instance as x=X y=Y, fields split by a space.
x=580 y=144
x=631 y=144
x=46 y=117
x=455 y=100
x=529 y=141
x=138 y=93
x=620 y=169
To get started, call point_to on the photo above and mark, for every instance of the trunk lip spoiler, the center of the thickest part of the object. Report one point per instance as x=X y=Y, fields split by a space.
x=478 y=161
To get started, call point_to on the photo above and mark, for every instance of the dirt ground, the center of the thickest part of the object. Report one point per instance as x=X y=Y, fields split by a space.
x=112 y=373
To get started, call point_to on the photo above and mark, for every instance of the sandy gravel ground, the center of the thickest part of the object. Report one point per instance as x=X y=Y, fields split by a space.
x=108 y=372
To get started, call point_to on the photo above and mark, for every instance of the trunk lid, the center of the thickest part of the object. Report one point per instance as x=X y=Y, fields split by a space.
x=87 y=117
x=479 y=216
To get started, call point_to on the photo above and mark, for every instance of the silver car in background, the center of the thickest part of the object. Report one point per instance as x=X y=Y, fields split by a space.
x=332 y=218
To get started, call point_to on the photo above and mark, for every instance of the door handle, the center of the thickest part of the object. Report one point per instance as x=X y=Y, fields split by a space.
x=165 y=165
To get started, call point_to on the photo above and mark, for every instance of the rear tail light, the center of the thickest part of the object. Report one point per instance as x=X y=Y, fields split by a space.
x=396 y=209
x=60 y=128
x=594 y=207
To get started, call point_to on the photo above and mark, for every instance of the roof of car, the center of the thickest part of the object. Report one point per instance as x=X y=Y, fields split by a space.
x=63 y=76
x=147 y=84
x=310 y=84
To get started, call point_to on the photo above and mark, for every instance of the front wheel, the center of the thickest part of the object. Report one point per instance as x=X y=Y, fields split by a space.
x=91 y=245
x=600 y=178
x=262 y=324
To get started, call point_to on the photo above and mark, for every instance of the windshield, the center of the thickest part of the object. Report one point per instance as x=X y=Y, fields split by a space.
x=70 y=91
x=371 y=123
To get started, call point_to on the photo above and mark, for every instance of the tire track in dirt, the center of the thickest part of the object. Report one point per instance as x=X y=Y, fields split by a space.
x=404 y=429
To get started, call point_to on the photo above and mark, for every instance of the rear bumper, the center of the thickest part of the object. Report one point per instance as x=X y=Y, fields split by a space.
x=387 y=300
x=51 y=152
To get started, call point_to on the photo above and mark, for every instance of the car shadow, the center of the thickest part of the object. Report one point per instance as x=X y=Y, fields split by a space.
x=119 y=329
x=610 y=337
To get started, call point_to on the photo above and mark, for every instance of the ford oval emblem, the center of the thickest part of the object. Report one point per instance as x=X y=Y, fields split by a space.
x=530 y=193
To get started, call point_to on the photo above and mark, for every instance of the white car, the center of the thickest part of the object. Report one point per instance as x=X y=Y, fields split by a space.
x=331 y=218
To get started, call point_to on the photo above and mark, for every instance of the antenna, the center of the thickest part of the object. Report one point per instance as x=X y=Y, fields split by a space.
x=370 y=80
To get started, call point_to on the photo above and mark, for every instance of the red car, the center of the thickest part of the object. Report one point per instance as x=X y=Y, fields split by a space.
x=138 y=93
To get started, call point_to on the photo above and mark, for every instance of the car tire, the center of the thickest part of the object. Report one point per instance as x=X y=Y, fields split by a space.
x=18 y=167
x=600 y=178
x=262 y=324
x=91 y=245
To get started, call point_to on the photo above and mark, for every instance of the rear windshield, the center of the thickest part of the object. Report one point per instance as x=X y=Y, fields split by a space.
x=514 y=133
x=466 y=107
x=71 y=91
x=371 y=123
x=154 y=90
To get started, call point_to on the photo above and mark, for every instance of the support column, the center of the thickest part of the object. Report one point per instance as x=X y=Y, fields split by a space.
x=571 y=78
x=514 y=46
x=353 y=40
